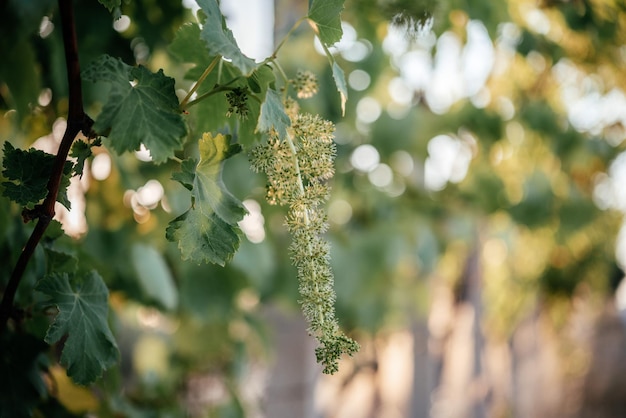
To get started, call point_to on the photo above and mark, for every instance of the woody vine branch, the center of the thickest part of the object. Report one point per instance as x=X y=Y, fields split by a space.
x=77 y=121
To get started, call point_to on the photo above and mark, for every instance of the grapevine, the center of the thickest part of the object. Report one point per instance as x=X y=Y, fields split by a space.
x=231 y=103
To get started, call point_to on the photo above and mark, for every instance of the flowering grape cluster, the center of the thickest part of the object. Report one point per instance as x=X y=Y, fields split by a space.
x=298 y=168
x=238 y=102
x=305 y=84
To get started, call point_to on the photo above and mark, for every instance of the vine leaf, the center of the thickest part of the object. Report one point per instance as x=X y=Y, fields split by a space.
x=203 y=238
x=220 y=40
x=28 y=173
x=83 y=306
x=189 y=48
x=65 y=183
x=340 y=82
x=110 y=4
x=324 y=16
x=208 y=231
x=142 y=107
x=81 y=150
x=273 y=115
x=59 y=261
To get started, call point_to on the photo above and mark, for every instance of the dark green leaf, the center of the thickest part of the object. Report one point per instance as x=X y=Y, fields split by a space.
x=54 y=231
x=220 y=40
x=65 y=183
x=29 y=173
x=60 y=262
x=273 y=114
x=81 y=150
x=208 y=231
x=187 y=176
x=325 y=18
x=111 y=4
x=145 y=111
x=90 y=347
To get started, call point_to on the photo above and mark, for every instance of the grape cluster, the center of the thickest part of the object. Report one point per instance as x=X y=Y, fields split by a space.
x=305 y=84
x=298 y=168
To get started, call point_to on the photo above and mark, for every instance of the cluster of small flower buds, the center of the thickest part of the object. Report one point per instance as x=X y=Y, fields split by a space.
x=238 y=102
x=298 y=168
x=305 y=84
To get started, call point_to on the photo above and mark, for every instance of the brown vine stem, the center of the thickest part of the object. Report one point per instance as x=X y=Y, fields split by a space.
x=77 y=121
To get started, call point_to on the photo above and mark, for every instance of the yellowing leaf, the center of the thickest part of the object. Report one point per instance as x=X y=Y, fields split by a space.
x=75 y=398
x=208 y=231
x=208 y=188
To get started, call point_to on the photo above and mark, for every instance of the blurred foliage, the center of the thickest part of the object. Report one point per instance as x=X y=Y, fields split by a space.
x=528 y=205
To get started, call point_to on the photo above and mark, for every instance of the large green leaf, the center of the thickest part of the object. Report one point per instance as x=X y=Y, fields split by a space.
x=220 y=40
x=142 y=107
x=325 y=18
x=82 y=305
x=208 y=232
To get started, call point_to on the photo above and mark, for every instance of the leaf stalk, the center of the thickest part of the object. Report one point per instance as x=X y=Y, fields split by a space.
x=195 y=87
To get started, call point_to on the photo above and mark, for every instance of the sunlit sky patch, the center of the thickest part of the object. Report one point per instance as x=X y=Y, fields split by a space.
x=252 y=23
